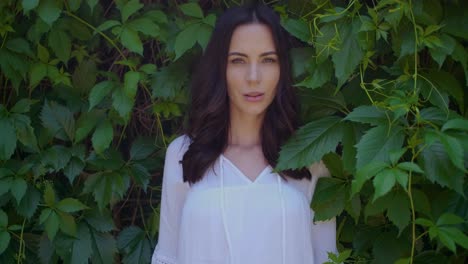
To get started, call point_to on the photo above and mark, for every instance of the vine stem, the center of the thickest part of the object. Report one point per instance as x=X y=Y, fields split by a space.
x=415 y=77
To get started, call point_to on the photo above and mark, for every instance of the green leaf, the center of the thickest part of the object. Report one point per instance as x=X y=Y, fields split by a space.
x=410 y=167
x=92 y=4
x=142 y=148
x=449 y=219
x=141 y=175
x=37 y=73
x=349 y=149
x=369 y=114
x=446 y=82
x=458 y=124
x=185 y=40
x=377 y=143
x=145 y=26
x=85 y=124
x=4 y=241
x=73 y=169
x=52 y=224
x=107 y=25
x=438 y=167
x=131 y=40
x=329 y=198
x=49 y=10
x=310 y=143
x=446 y=238
x=104 y=248
x=24 y=131
x=81 y=250
x=46 y=250
x=98 y=92
x=424 y=222
x=18 y=189
x=350 y=54
x=319 y=75
x=3 y=219
x=29 y=5
x=49 y=195
x=169 y=80
x=103 y=136
x=191 y=9
x=204 y=34
x=56 y=157
x=455 y=235
x=133 y=242
x=298 y=28
x=29 y=203
x=122 y=103
x=454 y=150
x=383 y=182
x=100 y=221
x=130 y=8
x=67 y=223
x=131 y=80
x=60 y=43
x=7 y=139
x=398 y=210
x=70 y=205
x=22 y=106
x=334 y=164
x=365 y=173
x=58 y=120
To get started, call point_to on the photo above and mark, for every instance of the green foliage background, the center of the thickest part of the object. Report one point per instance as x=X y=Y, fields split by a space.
x=93 y=91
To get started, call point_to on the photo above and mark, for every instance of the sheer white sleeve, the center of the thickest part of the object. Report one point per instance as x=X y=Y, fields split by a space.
x=323 y=232
x=174 y=191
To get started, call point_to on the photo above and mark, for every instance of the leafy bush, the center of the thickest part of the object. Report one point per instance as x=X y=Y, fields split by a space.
x=92 y=92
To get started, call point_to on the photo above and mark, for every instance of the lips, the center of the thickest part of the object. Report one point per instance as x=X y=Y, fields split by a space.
x=254 y=96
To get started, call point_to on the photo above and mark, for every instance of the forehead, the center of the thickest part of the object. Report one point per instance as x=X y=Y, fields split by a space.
x=251 y=38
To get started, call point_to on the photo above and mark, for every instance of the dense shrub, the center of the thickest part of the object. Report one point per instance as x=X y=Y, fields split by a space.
x=93 y=91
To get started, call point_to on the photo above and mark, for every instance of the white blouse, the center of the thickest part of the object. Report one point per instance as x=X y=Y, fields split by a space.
x=228 y=218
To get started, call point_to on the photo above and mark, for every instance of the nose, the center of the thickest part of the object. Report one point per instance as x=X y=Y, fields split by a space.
x=253 y=74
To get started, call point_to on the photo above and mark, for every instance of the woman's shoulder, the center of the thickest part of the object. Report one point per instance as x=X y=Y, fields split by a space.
x=179 y=145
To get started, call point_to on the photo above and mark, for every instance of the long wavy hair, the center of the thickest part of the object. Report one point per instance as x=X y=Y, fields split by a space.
x=208 y=115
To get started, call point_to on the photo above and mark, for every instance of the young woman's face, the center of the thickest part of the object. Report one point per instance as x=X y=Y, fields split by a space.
x=252 y=71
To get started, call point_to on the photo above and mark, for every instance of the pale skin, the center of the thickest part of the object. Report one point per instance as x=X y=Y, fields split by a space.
x=252 y=76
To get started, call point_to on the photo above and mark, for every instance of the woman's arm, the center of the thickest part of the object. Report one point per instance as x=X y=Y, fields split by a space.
x=174 y=191
x=323 y=232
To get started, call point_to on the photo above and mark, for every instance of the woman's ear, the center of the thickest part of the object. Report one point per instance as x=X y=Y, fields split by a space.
x=318 y=169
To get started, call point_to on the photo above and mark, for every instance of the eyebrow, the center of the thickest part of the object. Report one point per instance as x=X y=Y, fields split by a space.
x=244 y=55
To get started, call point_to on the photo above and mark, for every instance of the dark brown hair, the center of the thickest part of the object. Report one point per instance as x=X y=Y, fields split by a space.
x=208 y=115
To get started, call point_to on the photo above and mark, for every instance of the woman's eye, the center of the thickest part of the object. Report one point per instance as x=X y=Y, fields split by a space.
x=269 y=60
x=237 y=61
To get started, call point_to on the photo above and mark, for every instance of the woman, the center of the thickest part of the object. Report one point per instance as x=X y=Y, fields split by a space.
x=221 y=200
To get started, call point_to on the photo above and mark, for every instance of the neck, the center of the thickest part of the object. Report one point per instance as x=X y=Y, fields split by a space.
x=245 y=130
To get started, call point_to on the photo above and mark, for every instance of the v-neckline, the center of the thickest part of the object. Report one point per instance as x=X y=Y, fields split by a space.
x=242 y=175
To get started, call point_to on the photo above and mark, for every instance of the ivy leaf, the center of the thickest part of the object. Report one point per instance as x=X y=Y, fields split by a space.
x=131 y=40
x=310 y=143
x=51 y=223
x=67 y=223
x=92 y=4
x=56 y=157
x=319 y=75
x=398 y=210
x=29 y=203
x=410 y=167
x=438 y=167
x=141 y=148
x=103 y=136
x=46 y=250
x=81 y=249
x=329 y=198
x=24 y=131
x=383 y=182
x=86 y=122
x=365 y=173
x=169 y=80
x=29 y=5
x=204 y=34
x=185 y=40
x=145 y=26
x=457 y=123
x=141 y=175
x=298 y=28
x=107 y=25
x=73 y=169
x=98 y=92
x=454 y=150
x=60 y=43
x=350 y=54
x=448 y=83
x=37 y=73
x=377 y=144
x=449 y=219
x=58 y=120
x=70 y=205
x=130 y=8
x=131 y=80
x=104 y=248
x=7 y=139
x=191 y=9
x=4 y=240
x=122 y=103
x=18 y=189
x=133 y=242
x=22 y=106
x=49 y=10
x=369 y=114
x=100 y=221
